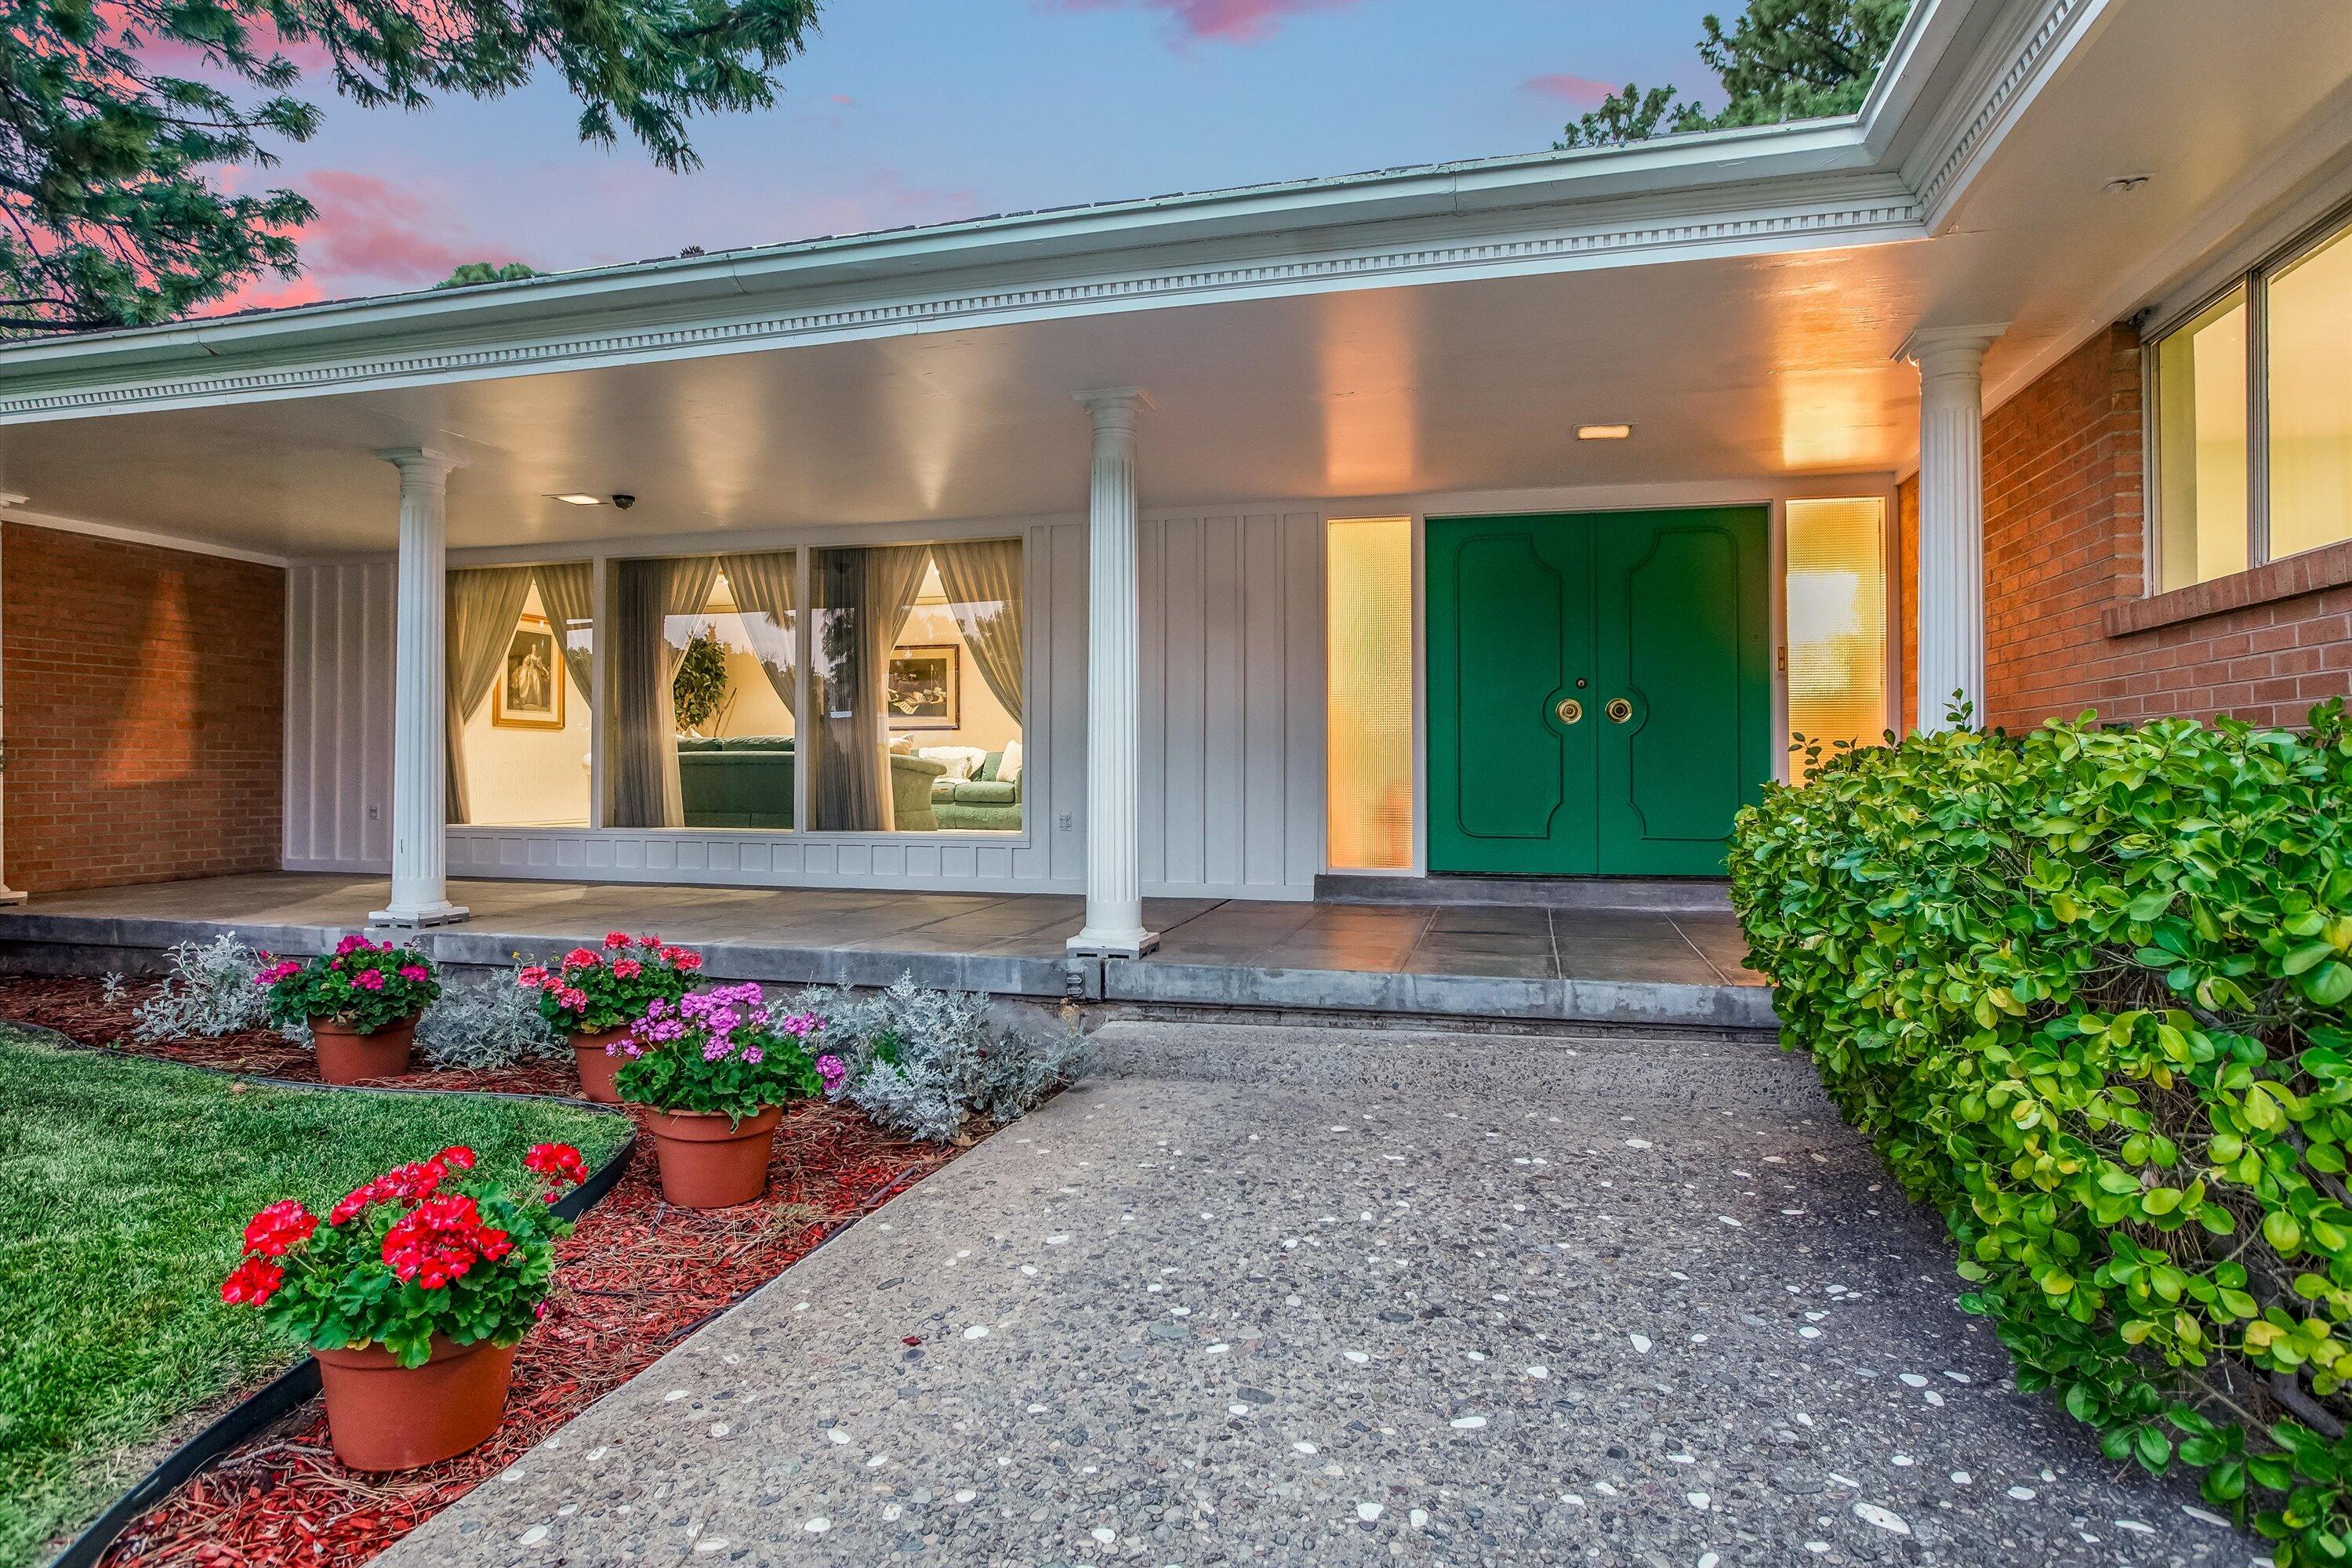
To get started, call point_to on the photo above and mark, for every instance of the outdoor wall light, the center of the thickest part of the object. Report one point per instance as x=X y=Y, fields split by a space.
x=1603 y=432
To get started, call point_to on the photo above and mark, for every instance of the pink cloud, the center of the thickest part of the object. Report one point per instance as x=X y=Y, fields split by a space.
x=1224 y=21
x=368 y=228
x=1575 y=92
x=267 y=293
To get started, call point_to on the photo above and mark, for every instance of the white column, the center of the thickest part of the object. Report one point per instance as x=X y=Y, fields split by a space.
x=8 y=895
x=420 y=741
x=1114 y=926
x=1951 y=519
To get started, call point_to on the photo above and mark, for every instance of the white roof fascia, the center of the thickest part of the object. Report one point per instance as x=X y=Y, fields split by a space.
x=1745 y=191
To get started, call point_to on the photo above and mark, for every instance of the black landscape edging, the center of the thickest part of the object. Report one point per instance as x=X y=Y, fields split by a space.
x=297 y=1382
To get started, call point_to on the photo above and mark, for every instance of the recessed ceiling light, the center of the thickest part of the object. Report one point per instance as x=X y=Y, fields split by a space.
x=1603 y=432
x=579 y=499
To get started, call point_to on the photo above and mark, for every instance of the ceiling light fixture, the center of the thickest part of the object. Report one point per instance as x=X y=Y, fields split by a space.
x=576 y=499
x=1603 y=432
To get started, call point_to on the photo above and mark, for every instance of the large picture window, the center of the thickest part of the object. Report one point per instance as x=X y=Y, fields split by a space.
x=704 y=684
x=890 y=703
x=915 y=688
x=2253 y=415
x=521 y=644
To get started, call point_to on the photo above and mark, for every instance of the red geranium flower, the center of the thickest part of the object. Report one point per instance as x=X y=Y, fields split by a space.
x=559 y=1164
x=279 y=1227
x=456 y=1154
x=581 y=958
x=616 y=939
x=252 y=1282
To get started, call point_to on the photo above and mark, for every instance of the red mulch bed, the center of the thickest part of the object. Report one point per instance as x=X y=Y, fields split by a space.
x=635 y=1277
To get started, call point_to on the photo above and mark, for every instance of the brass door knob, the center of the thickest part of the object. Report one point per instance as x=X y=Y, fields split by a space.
x=1619 y=709
x=1570 y=710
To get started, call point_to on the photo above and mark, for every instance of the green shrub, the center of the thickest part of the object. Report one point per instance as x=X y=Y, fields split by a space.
x=2084 y=989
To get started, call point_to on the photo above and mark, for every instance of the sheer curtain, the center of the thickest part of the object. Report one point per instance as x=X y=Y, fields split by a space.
x=484 y=607
x=763 y=592
x=863 y=599
x=567 y=592
x=981 y=579
x=644 y=761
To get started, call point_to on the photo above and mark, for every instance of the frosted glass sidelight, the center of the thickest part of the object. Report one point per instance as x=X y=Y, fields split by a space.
x=1837 y=623
x=1368 y=714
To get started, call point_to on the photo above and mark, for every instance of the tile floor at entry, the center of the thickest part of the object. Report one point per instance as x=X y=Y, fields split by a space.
x=1631 y=966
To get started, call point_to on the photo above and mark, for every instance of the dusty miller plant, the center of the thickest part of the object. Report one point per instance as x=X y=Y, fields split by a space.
x=208 y=992
x=490 y=1023
x=937 y=1066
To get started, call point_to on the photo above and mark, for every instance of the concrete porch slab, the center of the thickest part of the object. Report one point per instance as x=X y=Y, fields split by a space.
x=1675 y=970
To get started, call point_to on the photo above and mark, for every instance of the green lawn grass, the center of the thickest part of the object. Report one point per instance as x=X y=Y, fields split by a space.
x=124 y=1187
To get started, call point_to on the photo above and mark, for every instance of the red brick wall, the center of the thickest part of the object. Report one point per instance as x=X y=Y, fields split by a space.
x=2068 y=625
x=2062 y=534
x=145 y=724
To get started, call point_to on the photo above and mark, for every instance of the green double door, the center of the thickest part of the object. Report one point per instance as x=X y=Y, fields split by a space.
x=1599 y=698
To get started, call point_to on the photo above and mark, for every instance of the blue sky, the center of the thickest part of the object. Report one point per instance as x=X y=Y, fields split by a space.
x=919 y=110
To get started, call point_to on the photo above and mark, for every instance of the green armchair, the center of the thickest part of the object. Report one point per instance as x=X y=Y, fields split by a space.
x=911 y=781
x=743 y=780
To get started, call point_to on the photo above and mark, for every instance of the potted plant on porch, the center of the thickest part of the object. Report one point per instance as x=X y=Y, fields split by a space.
x=717 y=1072
x=362 y=1002
x=594 y=996
x=413 y=1294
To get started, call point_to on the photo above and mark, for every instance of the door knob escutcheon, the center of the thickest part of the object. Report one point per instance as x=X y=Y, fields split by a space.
x=1619 y=709
x=1570 y=711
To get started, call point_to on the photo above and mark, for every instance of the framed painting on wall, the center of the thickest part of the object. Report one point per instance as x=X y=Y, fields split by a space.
x=529 y=690
x=926 y=688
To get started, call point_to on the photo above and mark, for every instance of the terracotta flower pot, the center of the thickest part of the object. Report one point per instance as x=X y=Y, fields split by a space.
x=382 y=1416
x=708 y=1164
x=599 y=1069
x=346 y=1055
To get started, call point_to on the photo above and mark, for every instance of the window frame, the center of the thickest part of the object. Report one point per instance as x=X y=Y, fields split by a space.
x=2255 y=280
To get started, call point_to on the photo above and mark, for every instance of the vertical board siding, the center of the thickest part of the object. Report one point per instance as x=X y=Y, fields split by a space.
x=339 y=716
x=1231 y=712
x=1232 y=703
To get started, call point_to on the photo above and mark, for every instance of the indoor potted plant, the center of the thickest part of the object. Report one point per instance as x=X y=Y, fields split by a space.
x=362 y=1002
x=413 y=1292
x=716 y=1072
x=594 y=996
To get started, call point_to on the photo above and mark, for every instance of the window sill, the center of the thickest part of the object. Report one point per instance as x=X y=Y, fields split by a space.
x=2330 y=566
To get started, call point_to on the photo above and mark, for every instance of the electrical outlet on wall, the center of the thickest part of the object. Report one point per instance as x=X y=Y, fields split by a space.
x=375 y=812
x=1062 y=822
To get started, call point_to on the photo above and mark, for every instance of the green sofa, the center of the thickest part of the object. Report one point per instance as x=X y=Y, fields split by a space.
x=743 y=780
x=983 y=803
x=746 y=781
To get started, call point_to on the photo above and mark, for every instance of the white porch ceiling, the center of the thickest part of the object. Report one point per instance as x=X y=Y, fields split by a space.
x=1730 y=366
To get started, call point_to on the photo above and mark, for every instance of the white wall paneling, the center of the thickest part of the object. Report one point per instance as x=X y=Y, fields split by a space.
x=1233 y=703
x=339 y=716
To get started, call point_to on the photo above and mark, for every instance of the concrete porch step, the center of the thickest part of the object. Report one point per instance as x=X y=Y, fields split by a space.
x=1642 y=895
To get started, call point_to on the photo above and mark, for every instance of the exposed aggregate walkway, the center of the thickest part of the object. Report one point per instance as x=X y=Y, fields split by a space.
x=1259 y=1295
